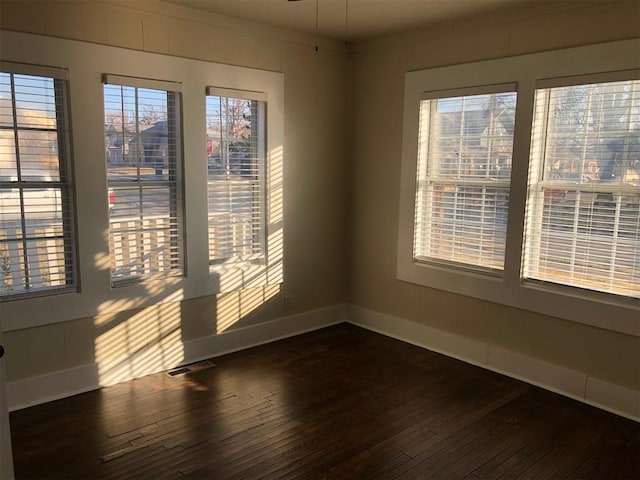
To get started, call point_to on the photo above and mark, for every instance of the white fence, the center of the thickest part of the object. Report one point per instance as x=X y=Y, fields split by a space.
x=38 y=261
x=138 y=247
x=141 y=247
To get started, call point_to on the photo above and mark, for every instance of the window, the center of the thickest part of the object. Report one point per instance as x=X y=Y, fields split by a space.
x=142 y=138
x=464 y=166
x=138 y=236
x=236 y=175
x=36 y=231
x=530 y=200
x=584 y=195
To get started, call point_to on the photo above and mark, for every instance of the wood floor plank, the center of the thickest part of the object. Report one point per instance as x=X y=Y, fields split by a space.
x=340 y=403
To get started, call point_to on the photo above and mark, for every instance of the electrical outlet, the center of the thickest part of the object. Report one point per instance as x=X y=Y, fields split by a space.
x=286 y=302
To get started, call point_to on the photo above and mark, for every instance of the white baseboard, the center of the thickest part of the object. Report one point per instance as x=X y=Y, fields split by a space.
x=617 y=398
x=539 y=373
x=64 y=383
x=570 y=383
x=243 y=338
x=52 y=386
x=573 y=384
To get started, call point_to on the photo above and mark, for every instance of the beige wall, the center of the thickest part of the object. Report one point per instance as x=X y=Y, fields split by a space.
x=315 y=180
x=378 y=72
x=331 y=139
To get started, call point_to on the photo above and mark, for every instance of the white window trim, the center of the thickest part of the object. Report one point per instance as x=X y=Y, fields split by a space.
x=59 y=74
x=178 y=182
x=538 y=182
x=621 y=314
x=236 y=93
x=261 y=98
x=85 y=64
x=151 y=83
x=424 y=177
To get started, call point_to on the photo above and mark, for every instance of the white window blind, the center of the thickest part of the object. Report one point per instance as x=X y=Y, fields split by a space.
x=142 y=138
x=36 y=232
x=464 y=167
x=236 y=175
x=583 y=212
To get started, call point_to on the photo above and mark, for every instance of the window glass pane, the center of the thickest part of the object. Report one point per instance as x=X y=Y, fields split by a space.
x=471 y=137
x=35 y=101
x=46 y=260
x=141 y=152
x=235 y=158
x=40 y=204
x=36 y=247
x=6 y=105
x=592 y=133
x=39 y=155
x=10 y=211
x=137 y=134
x=8 y=171
x=464 y=166
x=583 y=211
x=467 y=224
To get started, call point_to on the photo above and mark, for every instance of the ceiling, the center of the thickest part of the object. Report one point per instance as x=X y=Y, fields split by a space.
x=362 y=19
x=355 y=19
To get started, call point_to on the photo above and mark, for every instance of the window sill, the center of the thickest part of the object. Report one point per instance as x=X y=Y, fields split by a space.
x=611 y=312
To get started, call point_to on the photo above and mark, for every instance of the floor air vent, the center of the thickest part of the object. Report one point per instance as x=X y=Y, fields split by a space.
x=194 y=367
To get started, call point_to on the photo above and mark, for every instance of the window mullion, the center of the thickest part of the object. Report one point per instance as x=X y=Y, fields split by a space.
x=138 y=158
x=23 y=220
x=538 y=149
x=614 y=246
x=584 y=135
x=574 y=237
x=460 y=138
x=261 y=194
x=231 y=226
x=516 y=219
x=482 y=220
x=423 y=236
x=65 y=176
x=490 y=131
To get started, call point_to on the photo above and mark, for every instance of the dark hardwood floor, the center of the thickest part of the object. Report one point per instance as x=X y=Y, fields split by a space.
x=338 y=403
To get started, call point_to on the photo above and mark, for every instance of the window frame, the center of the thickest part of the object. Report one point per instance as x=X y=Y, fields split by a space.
x=261 y=154
x=176 y=184
x=423 y=174
x=599 y=309
x=537 y=181
x=65 y=183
